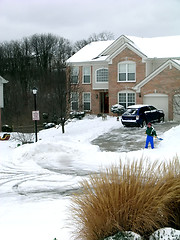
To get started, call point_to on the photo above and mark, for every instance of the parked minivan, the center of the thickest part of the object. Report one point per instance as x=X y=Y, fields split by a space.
x=140 y=115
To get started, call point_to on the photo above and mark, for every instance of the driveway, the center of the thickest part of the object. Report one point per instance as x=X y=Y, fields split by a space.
x=127 y=139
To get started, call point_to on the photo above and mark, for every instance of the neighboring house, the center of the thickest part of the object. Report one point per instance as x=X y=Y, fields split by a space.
x=2 y=81
x=129 y=70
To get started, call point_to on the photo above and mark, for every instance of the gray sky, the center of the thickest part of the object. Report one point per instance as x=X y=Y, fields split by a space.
x=78 y=19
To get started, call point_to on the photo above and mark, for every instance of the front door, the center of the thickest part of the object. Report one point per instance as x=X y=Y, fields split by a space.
x=104 y=102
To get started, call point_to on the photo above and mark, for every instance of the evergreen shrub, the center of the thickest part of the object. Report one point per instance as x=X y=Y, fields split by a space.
x=7 y=128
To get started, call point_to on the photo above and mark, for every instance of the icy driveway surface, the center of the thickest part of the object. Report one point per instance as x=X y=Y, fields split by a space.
x=127 y=139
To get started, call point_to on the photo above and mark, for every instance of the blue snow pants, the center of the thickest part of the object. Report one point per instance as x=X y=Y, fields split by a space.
x=149 y=139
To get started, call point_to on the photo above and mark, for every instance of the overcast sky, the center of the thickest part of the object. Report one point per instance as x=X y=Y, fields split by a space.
x=78 y=19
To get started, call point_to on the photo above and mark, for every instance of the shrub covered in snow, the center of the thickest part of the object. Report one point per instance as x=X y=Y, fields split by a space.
x=124 y=236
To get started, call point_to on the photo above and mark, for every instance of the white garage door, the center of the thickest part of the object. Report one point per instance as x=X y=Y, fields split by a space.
x=160 y=101
x=176 y=107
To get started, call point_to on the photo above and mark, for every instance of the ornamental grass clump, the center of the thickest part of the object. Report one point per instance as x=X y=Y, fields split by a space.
x=170 y=181
x=131 y=197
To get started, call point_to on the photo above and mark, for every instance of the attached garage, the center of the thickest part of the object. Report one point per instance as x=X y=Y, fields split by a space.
x=176 y=107
x=160 y=101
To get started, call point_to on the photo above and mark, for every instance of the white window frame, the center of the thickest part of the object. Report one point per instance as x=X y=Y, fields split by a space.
x=103 y=68
x=72 y=101
x=86 y=74
x=126 y=72
x=87 y=101
x=127 y=103
x=75 y=73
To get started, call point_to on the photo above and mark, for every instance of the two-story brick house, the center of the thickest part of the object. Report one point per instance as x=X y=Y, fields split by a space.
x=129 y=70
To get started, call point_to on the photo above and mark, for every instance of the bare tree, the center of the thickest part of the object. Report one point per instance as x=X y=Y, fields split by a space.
x=64 y=91
x=103 y=36
x=33 y=61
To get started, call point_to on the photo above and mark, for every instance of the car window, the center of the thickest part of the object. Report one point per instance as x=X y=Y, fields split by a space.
x=152 y=108
x=146 y=109
x=142 y=110
x=132 y=111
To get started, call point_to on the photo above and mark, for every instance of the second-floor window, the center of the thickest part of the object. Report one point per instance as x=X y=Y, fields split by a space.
x=102 y=75
x=126 y=72
x=86 y=75
x=75 y=75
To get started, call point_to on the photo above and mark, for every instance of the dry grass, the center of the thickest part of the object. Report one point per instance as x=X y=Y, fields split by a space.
x=128 y=197
x=170 y=179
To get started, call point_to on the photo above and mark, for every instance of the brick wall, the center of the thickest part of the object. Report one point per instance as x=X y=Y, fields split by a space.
x=95 y=106
x=114 y=86
x=166 y=82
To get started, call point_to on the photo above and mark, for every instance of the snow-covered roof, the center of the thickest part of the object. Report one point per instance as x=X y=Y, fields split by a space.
x=177 y=61
x=156 y=47
x=160 y=47
x=137 y=106
x=90 y=52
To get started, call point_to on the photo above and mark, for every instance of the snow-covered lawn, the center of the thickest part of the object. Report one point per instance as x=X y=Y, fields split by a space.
x=35 y=178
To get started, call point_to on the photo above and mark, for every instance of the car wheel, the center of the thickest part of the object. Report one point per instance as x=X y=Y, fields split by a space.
x=143 y=124
x=161 y=119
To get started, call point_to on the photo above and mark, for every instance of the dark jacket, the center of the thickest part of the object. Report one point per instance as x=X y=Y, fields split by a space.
x=150 y=131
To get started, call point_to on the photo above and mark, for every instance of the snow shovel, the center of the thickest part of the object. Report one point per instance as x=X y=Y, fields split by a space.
x=159 y=138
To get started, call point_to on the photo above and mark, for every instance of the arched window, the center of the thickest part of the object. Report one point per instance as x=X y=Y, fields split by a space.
x=102 y=75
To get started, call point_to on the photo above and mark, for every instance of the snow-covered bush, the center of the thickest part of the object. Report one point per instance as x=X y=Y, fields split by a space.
x=165 y=234
x=124 y=236
x=161 y=234
x=23 y=138
x=7 y=128
x=134 y=197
